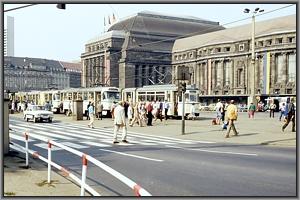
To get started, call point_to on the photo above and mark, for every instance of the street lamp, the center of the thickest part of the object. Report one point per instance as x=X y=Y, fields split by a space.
x=252 y=87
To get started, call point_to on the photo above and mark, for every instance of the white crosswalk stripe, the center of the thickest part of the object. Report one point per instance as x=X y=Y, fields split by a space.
x=80 y=137
x=45 y=146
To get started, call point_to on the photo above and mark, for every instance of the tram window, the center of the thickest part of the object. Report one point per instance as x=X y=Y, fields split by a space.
x=160 y=97
x=180 y=98
x=193 y=97
x=56 y=97
x=186 y=95
x=111 y=95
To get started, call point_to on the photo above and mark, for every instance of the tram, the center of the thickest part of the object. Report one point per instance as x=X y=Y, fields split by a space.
x=167 y=92
x=62 y=100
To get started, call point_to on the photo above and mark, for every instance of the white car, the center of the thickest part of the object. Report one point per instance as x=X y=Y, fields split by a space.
x=37 y=113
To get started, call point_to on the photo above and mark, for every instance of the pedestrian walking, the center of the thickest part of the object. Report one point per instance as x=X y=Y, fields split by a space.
x=91 y=111
x=47 y=106
x=193 y=111
x=282 y=111
x=119 y=122
x=149 y=108
x=223 y=111
x=113 y=106
x=87 y=111
x=251 y=110
x=232 y=113
x=130 y=112
x=290 y=115
x=272 y=109
x=99 y=110
x=136 y=115
x=218 y=108
x=69 y=112
x=166 y=107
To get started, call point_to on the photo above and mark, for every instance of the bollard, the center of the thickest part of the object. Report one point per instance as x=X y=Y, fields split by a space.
x=26 y=147
x=49 y=161
x=83 y=175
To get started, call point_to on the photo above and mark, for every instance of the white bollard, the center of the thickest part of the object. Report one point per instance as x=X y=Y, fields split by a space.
x=49 y=161
x=83 y=175
x=26 y=147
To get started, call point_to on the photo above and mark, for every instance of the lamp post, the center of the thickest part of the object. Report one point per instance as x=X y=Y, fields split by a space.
x=251 y=98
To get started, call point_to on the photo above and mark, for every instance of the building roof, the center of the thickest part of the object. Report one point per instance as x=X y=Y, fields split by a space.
x=167 y=25
x=25 y=61
x=72 y=66
x=109 y=34
x=243 y=32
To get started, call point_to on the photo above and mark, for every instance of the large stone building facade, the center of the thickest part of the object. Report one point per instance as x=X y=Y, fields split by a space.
x=26 y=74
x=219 y=63
x=137 y=50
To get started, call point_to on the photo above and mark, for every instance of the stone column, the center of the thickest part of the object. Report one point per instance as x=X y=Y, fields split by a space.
x=83 y=75
x=222 y=74
x=284 y=68
x=273 y=71
x=209 y=76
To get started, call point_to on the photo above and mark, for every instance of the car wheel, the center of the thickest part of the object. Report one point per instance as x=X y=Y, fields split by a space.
x=34 y=119
x=50 y=120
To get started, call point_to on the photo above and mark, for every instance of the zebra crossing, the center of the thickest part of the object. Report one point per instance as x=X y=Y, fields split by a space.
x=80 y=137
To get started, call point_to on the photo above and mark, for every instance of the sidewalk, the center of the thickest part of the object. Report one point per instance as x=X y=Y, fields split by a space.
x=261 y=130
x=19 y=181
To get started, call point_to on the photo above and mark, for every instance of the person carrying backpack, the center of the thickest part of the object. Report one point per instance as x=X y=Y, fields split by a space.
x=290 y=115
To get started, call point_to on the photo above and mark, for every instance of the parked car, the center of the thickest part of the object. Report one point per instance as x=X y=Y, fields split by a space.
x=37 y=113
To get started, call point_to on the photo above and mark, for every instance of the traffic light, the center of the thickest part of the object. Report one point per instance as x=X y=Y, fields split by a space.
x=183 y=87
x=179 y=89
x=61 y=6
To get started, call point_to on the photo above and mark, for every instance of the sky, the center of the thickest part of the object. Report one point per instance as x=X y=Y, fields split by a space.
x=43 y=31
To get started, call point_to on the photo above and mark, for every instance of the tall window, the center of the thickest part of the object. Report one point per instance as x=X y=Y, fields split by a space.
x=202 y=71
x=136 y=75
x=240 y=77
x=279 y=66
x=292 y=68
x=143 y=75
x=219 y=72
x=227 y=72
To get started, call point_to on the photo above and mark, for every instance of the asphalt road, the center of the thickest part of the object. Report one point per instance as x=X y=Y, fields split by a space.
x=168 y=166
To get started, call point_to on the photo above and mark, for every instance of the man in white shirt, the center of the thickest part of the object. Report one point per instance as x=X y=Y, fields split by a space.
x=218 y=108
x=119 y=122
x=166 y=107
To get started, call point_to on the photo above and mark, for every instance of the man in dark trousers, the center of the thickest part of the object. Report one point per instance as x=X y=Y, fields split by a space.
x=290 y=114
x=87 y=112
x=149 y=113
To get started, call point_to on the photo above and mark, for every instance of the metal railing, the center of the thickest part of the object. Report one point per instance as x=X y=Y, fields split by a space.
x=138 y=191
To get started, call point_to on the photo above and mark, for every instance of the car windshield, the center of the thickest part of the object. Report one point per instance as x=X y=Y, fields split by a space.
x=38 y=108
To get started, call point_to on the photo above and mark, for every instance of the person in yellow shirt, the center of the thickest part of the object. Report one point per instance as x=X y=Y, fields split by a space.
x=232 y=113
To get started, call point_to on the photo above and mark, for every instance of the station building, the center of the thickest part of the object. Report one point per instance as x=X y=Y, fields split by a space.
x=218 y=63
x=137 y=50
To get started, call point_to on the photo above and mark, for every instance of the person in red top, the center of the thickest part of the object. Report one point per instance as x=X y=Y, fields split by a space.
x=149 y=109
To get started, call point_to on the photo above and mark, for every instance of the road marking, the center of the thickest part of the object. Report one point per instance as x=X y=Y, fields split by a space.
x=20 y=138
x=212 y=151
x=131 y=155
x=76 y=146
x=96 y=144
x=45 y=146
